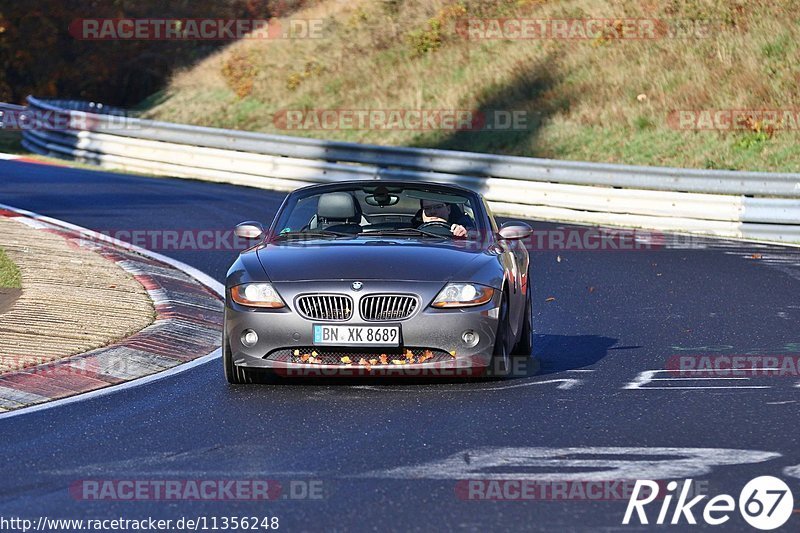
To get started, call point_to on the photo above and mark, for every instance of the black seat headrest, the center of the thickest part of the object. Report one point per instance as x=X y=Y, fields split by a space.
x=338 y=206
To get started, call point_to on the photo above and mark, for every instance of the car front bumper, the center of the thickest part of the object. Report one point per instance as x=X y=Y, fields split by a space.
x=439 y=331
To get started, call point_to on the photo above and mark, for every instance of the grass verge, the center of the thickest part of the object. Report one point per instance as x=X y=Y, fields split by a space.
x=9 y=273
x=10 y=142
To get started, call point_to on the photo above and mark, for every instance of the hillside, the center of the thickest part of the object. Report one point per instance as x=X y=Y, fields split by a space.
x=606 y=95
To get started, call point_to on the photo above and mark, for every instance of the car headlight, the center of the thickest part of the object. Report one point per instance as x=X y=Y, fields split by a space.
x=256 y=295
x=463 y=295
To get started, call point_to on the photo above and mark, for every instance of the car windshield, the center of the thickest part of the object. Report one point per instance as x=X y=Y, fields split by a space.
x=410 y=211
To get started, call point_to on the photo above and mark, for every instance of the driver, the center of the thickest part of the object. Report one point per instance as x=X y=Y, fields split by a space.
x=436 y=211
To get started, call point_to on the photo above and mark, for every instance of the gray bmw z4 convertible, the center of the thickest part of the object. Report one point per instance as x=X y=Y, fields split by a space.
x=378 y=278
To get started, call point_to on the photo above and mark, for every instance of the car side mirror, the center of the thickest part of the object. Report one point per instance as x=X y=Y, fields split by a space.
x=249 y=230
x=515 y=230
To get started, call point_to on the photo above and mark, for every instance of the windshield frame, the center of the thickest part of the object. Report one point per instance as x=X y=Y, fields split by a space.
x=482 y=223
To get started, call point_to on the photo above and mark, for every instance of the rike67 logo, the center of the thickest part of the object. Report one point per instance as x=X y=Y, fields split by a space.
x=765 y=503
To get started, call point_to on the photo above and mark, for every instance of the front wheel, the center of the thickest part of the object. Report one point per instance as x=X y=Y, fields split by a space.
x=524 y=346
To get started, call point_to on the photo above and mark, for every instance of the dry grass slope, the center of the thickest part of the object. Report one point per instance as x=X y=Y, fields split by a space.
x=599 y=99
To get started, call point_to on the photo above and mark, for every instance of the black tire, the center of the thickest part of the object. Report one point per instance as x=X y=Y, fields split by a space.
x=524 y=347
x=501 y=362
x=234 y=374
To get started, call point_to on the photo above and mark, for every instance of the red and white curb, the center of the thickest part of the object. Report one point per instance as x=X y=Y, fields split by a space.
x=185 y=333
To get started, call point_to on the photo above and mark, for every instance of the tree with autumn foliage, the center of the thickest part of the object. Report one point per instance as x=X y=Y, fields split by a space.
x=39 y=56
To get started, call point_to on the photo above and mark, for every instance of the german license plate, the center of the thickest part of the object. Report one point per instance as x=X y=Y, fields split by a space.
x=329 y=335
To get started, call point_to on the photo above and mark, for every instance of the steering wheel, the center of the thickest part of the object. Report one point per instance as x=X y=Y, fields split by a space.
x=437 y=227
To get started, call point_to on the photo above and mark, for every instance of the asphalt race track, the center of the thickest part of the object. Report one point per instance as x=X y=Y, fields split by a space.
x=376 y=456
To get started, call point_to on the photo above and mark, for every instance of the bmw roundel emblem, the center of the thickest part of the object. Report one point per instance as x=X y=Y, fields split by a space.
x=357 y=285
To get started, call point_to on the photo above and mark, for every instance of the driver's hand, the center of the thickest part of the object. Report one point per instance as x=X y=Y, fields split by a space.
x=458 y=230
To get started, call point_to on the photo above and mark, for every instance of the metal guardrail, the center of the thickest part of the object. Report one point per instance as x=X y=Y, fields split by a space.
x=755 y=205
x=6 y=108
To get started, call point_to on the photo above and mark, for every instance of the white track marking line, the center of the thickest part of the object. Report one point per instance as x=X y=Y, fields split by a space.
x=565 y=384
x=593 y=463
x=642 y=380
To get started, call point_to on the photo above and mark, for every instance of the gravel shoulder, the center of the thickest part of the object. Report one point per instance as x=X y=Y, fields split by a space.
x=72 y=299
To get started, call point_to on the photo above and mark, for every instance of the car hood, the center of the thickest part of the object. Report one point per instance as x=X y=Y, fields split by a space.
x=359 y=259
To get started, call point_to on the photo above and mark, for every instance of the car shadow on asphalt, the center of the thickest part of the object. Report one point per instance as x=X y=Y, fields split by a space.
x=559 y=353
